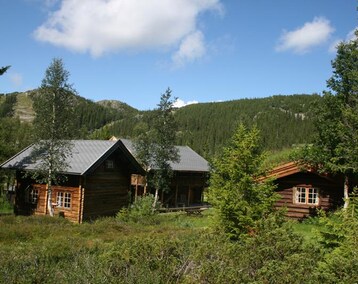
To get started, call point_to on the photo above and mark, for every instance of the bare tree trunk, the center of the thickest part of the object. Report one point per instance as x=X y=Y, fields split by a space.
x=345 y=190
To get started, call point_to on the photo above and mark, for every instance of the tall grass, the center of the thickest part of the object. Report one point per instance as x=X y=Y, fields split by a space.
x=176 y=248
x=5 y=205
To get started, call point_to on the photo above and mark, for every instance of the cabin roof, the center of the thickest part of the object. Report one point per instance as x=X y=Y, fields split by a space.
x=283 y=170
x=85 y=156
x=291 y=168
x=190 y=161
x=88 y=154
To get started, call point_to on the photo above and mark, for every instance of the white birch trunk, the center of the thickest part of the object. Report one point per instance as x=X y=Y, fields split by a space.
x=155 y=198
x=345 y=190
x=49 y=195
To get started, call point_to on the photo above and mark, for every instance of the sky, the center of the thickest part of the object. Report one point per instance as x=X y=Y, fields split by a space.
x=203 y=50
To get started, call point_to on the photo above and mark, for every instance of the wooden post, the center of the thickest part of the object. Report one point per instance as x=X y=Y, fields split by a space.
x=136 y=188
x=189 y=195
x=176 y=196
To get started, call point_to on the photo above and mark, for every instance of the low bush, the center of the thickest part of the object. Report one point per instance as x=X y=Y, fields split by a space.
x=141 y=210
x=5 y=205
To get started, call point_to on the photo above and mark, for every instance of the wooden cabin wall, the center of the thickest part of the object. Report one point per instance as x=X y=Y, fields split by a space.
x=23 y=206
x=330 y=194
x=106 y=191
x=186 y=189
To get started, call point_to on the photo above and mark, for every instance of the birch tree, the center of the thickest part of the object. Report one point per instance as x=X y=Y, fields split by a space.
x=335 y=148
x=156 y=147
x=54 y=110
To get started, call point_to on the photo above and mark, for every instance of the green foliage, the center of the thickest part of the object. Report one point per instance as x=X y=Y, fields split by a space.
x=5 y=205
x=155 y=145
x=238 y=197
x=7 y=107
x=140 y=210
x=14 y=136
x=339 y=238
x=4 y=69
x=52 y=250
x=283 y=121
x=335 y=148
x=53 y=126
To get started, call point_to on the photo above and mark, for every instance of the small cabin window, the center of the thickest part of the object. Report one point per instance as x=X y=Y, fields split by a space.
x=306 y=195
x=32 y=195
x=109 y=164
x=63 y=199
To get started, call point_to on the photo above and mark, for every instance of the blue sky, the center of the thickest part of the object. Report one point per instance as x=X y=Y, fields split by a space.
x=204 y=50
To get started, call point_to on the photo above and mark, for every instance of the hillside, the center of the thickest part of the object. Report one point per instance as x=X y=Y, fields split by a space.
x=205 y=127
x=91 y=115
x=283 y=121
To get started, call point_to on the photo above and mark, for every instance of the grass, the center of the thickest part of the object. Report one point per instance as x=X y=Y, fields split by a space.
x=166 y=248
x=307 y=230
x=5 y=206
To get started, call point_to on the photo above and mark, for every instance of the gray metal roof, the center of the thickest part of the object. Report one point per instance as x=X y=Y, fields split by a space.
x=85 y=155
x=190 y=161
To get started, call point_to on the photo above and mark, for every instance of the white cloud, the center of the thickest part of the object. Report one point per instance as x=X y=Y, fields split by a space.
x=191 y=48
x=101 y=26
x=180 y=103
x=16 y=79
x=304 y=38
x=350 y=36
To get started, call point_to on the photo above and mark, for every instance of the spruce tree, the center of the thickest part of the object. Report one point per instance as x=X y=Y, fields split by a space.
x=236 y=193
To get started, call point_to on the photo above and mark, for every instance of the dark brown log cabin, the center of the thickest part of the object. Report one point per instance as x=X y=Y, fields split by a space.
x=190 y=179
x=302 y=192
x=97 y=182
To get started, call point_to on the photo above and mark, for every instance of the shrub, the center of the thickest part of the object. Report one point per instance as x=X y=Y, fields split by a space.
x=5 y=205
x=141 y=209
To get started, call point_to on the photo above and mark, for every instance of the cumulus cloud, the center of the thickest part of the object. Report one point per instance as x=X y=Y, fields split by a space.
x=101 y=26
x=304 y=38
x=191 y=48
x=180 y=103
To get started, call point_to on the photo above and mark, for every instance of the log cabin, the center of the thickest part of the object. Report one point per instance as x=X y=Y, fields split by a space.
x=97 y=181
x=190 y=177
x=102 y=177
x=303 y=191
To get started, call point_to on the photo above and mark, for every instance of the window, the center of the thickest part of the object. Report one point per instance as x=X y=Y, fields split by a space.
x=34 y=195
x=63 y=199
x=109 y=164
x=306 y=195
x=31 y=195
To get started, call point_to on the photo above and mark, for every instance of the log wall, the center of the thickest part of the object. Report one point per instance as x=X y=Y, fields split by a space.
x=106 y=191
x=329 y=194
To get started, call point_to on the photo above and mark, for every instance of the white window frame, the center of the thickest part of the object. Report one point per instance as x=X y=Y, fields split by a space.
x=31 y=195
x=306 y=195
x=34 y=195
x=63 y=199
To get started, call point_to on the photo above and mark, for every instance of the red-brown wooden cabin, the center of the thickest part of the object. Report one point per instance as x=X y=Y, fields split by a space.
x=303 y=191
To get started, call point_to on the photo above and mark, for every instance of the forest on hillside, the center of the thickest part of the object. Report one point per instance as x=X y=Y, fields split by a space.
x=283 y=121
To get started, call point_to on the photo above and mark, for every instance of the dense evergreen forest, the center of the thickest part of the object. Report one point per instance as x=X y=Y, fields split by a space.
x=205 y=127
x=282 y=120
